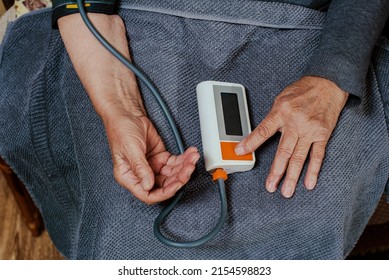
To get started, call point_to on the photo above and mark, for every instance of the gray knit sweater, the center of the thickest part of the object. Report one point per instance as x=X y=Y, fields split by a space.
x=350 y=32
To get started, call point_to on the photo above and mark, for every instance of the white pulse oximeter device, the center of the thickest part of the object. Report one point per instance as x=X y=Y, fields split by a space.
x=224 y=122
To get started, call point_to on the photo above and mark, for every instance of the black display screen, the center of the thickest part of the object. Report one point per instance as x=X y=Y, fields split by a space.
x=231 y=114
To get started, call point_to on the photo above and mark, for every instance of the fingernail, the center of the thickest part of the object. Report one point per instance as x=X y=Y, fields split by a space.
x=311 y=184
x=287 y=191
x=239 y=150
x=271 y=186
x=195 y=159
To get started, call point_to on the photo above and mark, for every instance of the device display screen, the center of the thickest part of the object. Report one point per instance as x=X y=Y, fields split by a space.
x=232 y=121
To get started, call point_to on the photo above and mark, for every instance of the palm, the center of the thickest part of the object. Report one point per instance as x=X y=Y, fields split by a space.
x=167 y=172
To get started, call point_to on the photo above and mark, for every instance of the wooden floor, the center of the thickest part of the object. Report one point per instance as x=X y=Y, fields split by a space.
x=16 y=241
x=2 y=8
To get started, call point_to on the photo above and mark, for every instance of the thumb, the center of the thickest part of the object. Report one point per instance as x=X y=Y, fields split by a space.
x=140 y=167
x=131 y=168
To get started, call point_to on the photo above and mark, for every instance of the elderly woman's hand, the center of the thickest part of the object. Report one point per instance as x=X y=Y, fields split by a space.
x=306 y=113
x=141 y=163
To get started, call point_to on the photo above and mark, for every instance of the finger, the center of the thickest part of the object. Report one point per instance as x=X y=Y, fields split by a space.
x=284 y=152
x=183 y=170
x=191 y=158
x=141 y=168
x=129 y=181
x=160 y=194
x=158 y=161
x=175 y=160
x=124 y=176
x=194 y=157
x=174 y=166
x=192 y=149
x=156 y=194
x=315 y=162
x=154 y=142
x=267 y=128
x=183 y=174
x=296 y=163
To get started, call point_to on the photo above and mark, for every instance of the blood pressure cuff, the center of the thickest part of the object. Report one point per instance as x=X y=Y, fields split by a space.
x=67 y=7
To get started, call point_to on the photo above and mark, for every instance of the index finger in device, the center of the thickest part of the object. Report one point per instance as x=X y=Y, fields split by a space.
x=267 y=128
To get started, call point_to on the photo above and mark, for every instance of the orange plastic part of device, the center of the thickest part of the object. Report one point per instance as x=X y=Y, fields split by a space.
x=219 y=174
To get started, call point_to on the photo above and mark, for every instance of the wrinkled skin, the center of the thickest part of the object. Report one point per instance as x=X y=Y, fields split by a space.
x=141 y=163
x=305 y=113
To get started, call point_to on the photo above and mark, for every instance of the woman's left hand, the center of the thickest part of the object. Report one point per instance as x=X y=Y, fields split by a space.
x=306 y=113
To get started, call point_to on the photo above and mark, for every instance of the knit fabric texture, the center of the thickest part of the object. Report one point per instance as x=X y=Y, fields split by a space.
x=350 y=31
x=53 y=139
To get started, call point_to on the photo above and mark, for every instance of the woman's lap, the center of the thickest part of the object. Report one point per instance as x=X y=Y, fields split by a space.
x=60 y=150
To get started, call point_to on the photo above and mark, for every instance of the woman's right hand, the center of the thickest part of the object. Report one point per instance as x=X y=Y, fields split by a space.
x=141 y=163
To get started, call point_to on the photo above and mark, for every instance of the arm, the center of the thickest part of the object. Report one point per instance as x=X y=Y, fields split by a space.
x=139 y=157
x=306 y=112
x=350 y=32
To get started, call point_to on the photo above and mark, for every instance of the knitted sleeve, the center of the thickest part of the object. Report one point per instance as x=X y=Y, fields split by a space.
x=351 y=29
